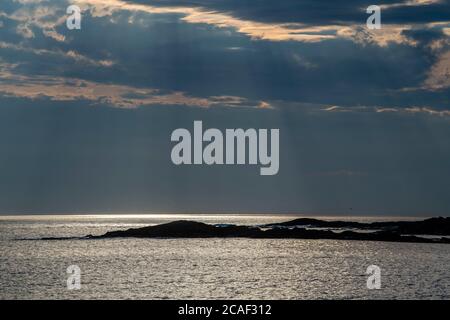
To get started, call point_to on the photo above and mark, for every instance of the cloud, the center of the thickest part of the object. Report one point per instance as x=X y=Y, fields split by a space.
x=292 y=21
x=411 y=3
x=68 y=89
x=37 y=15
x=71 y=54
x=297 y=53
x=439 y=75
x=441 y=113
x=195 y=15
x=415 y=110
x=243 y=21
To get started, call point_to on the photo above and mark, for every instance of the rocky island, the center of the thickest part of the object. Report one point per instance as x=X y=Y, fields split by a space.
x=433 y=230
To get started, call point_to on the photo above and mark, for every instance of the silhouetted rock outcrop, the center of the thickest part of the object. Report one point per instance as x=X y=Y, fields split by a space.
x=288 y=230
x=433 y=226
x=183 y=229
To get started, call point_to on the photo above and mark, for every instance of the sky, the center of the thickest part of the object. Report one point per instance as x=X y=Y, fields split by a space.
x=86 y=115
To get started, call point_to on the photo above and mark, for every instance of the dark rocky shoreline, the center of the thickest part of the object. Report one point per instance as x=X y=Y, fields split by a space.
x=400 y=231
x=434 y=226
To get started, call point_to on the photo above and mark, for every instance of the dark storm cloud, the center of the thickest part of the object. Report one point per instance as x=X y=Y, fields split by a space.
x=315 y=12
x=160 y=51
x=427 y=13
x=425 y=36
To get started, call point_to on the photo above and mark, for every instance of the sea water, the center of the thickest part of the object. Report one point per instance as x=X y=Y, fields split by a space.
x=128 y=268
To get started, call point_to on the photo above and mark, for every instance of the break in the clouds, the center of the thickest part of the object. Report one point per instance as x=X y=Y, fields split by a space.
x=363 y=114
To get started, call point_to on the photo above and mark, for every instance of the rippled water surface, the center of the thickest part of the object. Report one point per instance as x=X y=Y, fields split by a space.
x=208 y=268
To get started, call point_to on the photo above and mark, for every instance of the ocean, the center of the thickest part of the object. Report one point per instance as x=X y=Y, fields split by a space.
x=131 y=268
